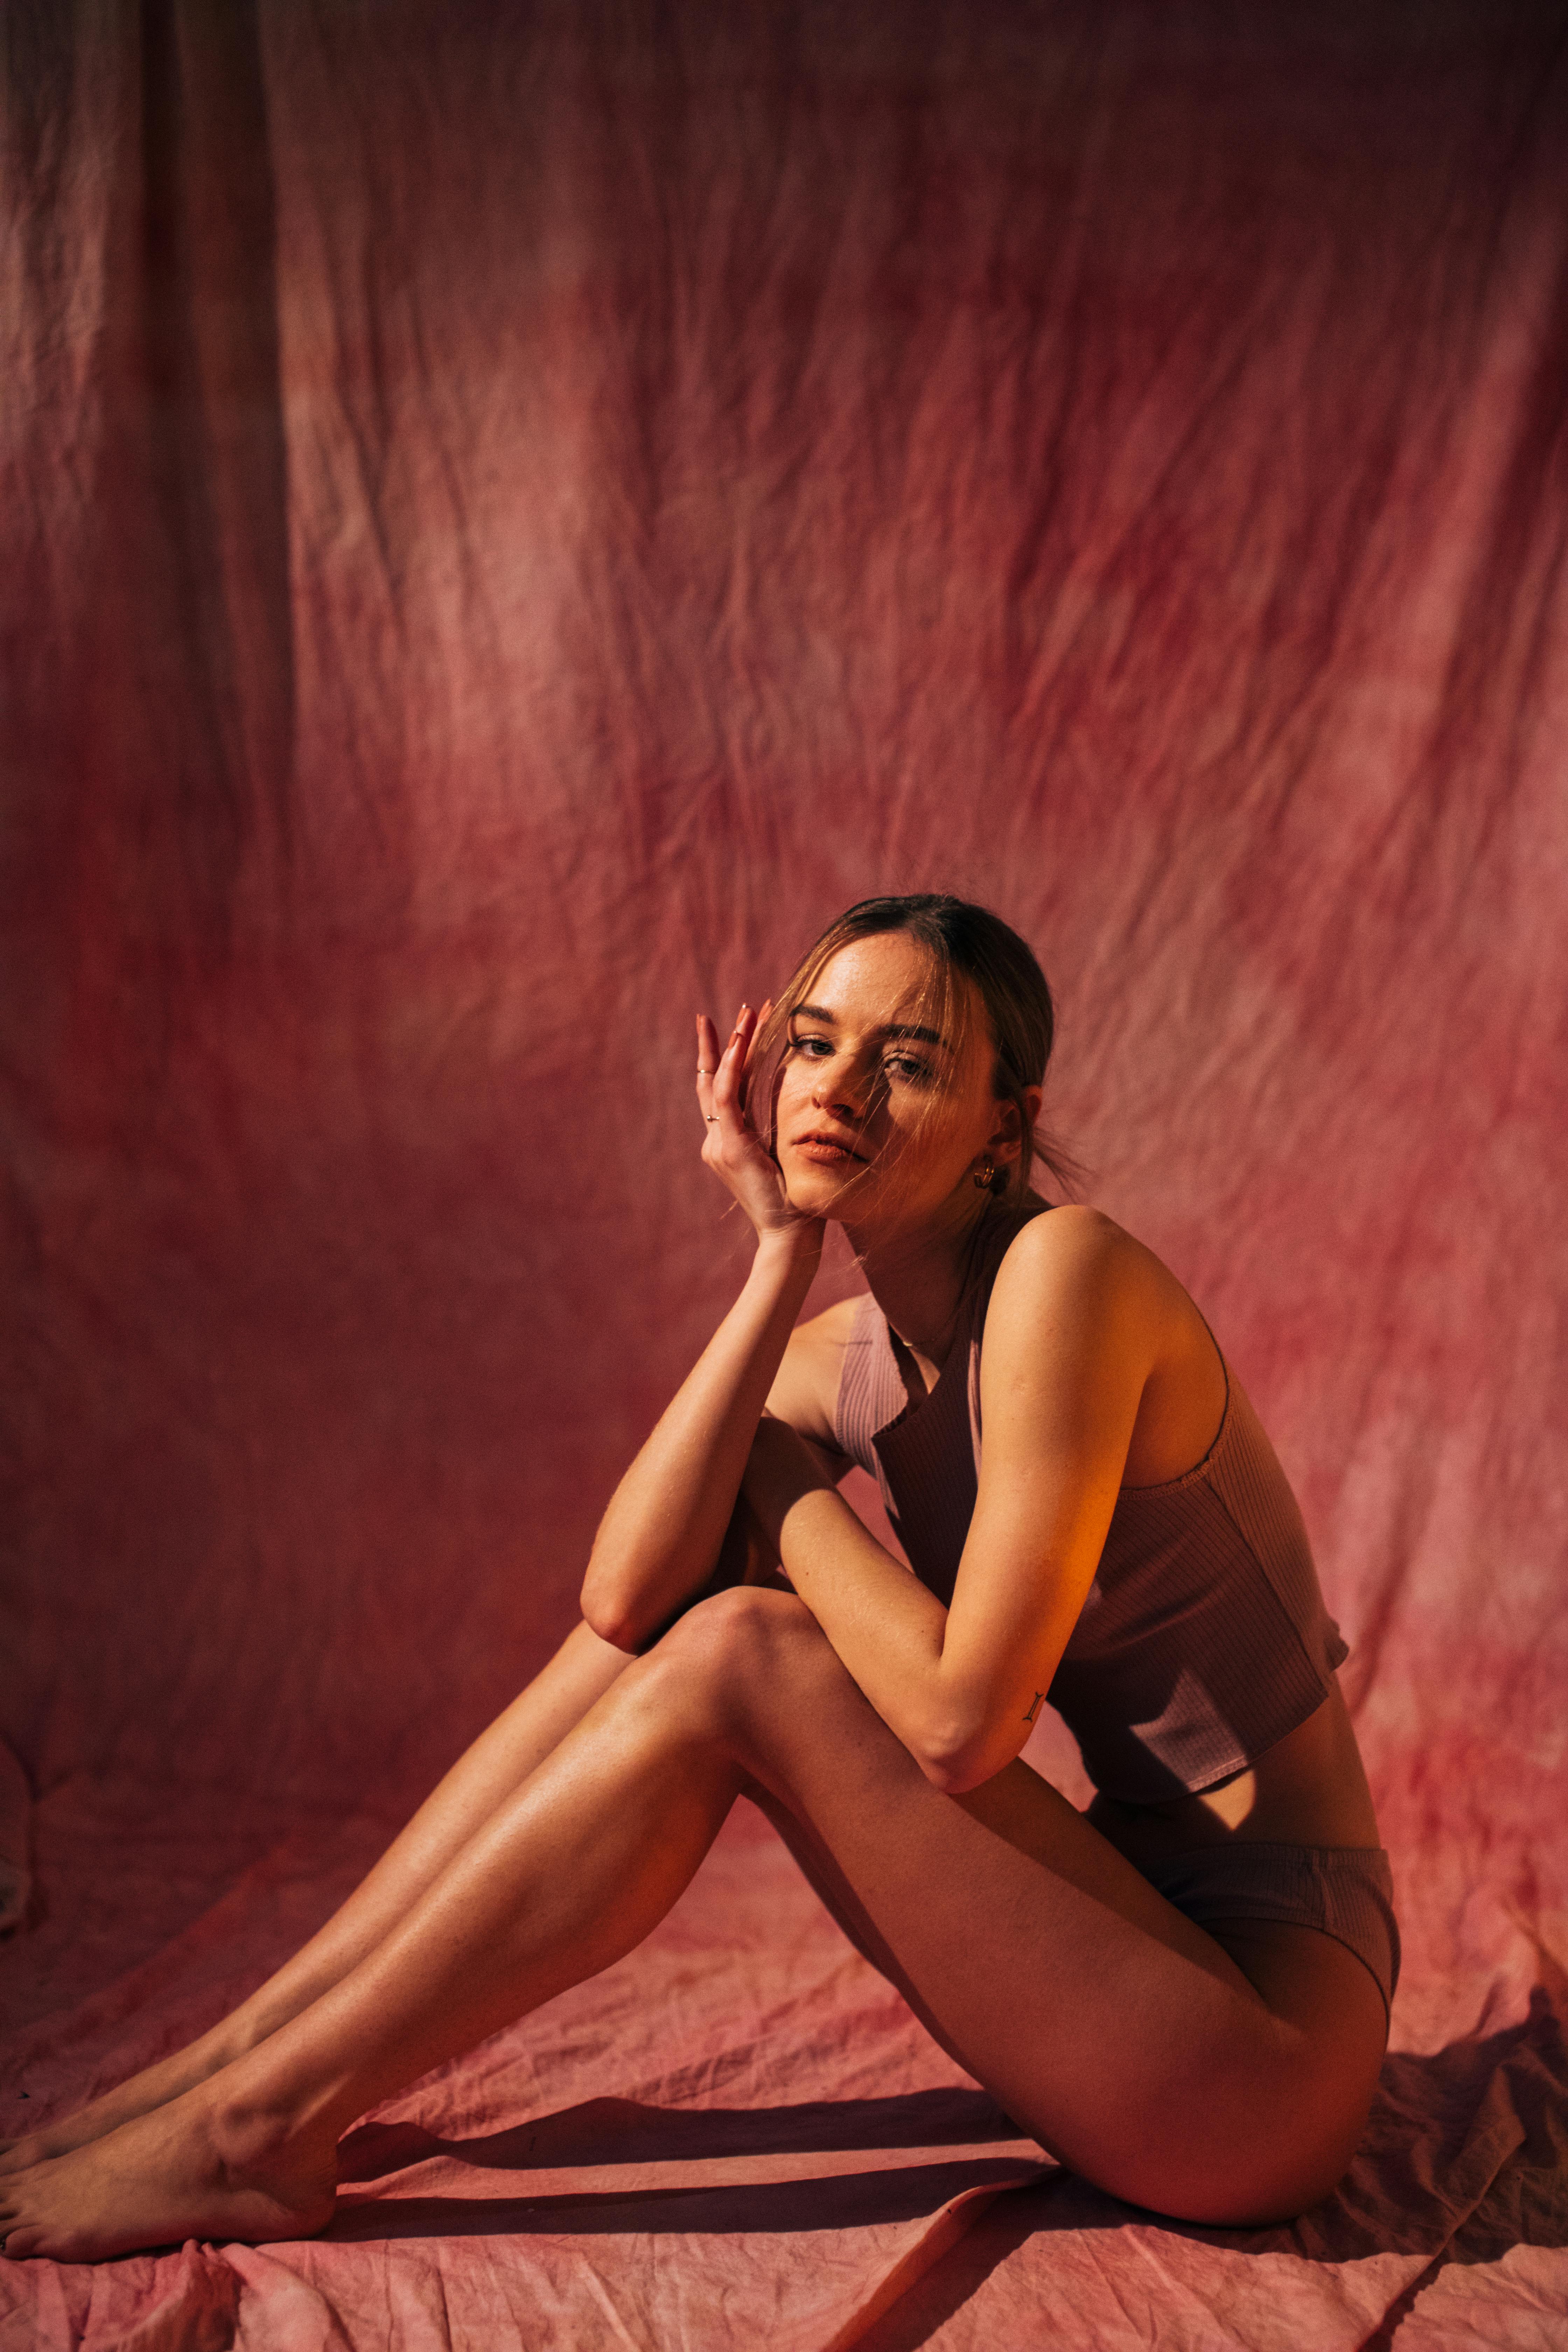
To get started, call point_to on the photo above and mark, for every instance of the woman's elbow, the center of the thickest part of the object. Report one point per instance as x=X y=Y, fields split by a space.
x=609 y=1612
x=618 y=1632
x=957 y=1779
x=958 y=1757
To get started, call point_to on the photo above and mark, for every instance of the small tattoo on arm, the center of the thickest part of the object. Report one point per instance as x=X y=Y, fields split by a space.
x=1030 y=1715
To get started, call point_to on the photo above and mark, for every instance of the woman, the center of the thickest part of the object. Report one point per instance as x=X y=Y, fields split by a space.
x=1184 y=1994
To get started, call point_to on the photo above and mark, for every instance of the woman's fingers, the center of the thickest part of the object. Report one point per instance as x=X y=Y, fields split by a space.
x=721 y=1086
x=753 y=1032
x=732 y=1146
x=707 y=1066
x=729 y=1092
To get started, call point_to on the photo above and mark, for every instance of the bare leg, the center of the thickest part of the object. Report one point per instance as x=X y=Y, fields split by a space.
x=500 y=1760
x=1124 y=2038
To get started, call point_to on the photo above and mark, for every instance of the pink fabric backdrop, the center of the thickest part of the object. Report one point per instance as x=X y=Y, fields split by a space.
x=511 y=518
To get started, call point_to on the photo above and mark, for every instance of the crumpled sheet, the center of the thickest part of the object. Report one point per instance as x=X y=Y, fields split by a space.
x=509 y=522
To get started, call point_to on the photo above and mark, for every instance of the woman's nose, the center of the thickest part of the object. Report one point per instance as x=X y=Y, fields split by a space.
x=836 y=1089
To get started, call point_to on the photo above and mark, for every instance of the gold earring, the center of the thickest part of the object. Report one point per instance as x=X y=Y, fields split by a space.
x=985 y=1175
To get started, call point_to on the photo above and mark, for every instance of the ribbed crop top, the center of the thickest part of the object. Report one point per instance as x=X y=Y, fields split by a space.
x=1203 y=1638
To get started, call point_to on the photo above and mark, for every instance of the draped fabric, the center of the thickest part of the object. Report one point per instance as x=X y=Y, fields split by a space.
x=512 y=517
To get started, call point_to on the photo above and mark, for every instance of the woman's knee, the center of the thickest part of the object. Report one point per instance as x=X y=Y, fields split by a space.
x=1259 y=2157
x=742 y=1626
x=736 y=1646
x=1271 y=2181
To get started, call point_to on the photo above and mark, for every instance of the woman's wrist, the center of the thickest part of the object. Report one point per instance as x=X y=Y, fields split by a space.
x=792 y=1249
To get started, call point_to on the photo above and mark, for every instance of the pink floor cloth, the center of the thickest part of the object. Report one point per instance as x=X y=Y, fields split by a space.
x=510 y=519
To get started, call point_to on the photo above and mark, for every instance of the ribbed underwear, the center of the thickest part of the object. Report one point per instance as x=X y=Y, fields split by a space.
x=1344 y=1891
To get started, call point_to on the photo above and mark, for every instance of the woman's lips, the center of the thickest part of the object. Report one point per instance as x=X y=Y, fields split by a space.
x=824 y=1152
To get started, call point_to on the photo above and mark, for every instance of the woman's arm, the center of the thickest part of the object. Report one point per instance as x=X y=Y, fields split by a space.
x=659 y=1540
x=1075 y=1326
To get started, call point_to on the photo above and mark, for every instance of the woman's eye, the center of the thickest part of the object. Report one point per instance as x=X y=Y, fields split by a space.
x=906 y=1066
x=813 y=1048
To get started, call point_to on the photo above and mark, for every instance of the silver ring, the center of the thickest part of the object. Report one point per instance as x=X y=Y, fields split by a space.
x=705 y=1074
x=712 y=1116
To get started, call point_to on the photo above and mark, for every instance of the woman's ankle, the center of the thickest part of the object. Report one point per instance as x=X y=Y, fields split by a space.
x=237 y=2037
x=257 y=2138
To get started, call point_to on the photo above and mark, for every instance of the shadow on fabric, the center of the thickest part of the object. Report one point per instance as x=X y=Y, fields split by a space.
x=1461 y=2158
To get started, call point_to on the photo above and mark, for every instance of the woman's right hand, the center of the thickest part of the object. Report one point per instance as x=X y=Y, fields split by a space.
x=731 y=1145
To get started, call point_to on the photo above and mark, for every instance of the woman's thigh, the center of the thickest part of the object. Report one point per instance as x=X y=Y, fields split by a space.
x=1129 y=2042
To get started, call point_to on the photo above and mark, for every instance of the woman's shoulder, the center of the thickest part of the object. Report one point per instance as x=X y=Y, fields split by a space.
x=1083 y=1309
x=1078 y=1256
x=1072 y=1233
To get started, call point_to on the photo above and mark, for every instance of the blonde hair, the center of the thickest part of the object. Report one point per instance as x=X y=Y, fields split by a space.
x=963 y=944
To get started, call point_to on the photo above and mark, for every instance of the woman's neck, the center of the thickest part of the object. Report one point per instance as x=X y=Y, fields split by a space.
x=918 y=1273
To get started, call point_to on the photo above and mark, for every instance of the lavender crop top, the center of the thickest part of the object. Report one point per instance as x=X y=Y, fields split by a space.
x=1203 y=1638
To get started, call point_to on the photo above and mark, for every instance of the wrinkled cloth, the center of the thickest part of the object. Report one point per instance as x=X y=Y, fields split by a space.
x=511 y=520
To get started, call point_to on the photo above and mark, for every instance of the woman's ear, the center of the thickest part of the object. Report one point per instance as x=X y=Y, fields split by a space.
x=1006 y=1136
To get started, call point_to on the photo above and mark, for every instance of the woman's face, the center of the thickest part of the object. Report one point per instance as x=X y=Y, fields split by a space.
x=877 y=1113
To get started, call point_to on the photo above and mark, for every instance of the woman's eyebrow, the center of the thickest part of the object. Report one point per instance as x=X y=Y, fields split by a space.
x=888 y=1029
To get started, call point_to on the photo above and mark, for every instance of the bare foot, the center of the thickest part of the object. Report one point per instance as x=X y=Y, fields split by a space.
x=153 y=2087
x=191 y=2169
